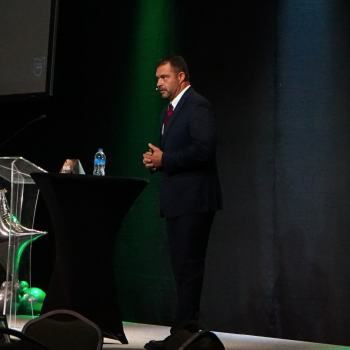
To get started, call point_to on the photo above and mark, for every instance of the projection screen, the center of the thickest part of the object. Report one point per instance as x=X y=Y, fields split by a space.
x=27 y=33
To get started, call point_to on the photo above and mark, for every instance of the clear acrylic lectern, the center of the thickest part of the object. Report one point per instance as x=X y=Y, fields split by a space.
x=18 y=199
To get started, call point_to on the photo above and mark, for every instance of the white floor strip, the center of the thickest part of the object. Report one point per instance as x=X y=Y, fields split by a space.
x=139 y=334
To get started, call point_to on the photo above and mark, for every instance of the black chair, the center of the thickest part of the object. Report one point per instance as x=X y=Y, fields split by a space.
x=25 y=342
x=65 y=329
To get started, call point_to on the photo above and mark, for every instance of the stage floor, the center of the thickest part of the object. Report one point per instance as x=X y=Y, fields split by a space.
x=139 y=334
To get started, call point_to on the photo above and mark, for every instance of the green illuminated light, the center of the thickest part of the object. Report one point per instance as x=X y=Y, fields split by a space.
x=21 y=249
x=151 y=40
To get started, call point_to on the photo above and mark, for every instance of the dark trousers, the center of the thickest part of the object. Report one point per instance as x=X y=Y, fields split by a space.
x=188 y=241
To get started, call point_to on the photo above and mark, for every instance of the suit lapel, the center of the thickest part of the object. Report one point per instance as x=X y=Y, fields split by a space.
x=174 y=114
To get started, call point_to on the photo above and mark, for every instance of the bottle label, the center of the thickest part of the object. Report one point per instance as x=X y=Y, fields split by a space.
x=100 y=162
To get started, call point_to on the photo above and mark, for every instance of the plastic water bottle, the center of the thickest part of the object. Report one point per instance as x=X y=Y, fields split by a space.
x=99 y=163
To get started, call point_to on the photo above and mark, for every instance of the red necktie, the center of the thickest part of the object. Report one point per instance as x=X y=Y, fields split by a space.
x=168 y=113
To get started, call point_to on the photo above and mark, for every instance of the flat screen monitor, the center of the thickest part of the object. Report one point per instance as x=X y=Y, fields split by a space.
x=27 y=43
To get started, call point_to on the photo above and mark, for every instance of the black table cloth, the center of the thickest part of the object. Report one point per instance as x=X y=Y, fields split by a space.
x=86 y=212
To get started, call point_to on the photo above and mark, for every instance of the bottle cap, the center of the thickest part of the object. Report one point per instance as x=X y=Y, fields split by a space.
x=100 y=149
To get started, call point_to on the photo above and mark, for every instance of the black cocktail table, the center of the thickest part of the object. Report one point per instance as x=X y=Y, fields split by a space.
x=86 y=212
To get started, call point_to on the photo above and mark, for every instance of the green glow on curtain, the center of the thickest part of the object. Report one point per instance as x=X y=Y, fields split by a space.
x=151 y=38
x=141 y=248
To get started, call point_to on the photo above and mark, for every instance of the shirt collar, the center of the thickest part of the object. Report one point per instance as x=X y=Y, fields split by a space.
x=176 y=100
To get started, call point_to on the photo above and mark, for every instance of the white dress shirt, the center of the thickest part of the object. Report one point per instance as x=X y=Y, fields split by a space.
x=176 y=100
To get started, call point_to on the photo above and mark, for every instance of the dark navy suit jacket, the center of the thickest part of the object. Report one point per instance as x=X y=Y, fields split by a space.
x=189 y=179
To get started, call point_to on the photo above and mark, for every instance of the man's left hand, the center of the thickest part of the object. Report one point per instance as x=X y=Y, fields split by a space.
x=156 y=156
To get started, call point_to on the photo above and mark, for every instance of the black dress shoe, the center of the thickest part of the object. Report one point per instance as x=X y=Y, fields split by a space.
x=157 y=344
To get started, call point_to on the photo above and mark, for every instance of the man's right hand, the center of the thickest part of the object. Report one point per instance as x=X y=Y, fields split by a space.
x=148 y=161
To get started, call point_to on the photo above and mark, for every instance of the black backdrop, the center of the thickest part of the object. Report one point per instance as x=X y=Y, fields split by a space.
x=277 y=73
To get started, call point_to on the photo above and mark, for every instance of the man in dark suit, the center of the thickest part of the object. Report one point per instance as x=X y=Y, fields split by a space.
x=189 y=191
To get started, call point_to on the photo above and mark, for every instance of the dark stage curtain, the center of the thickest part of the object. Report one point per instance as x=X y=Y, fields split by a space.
x=277 y=73
x=312 y=171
